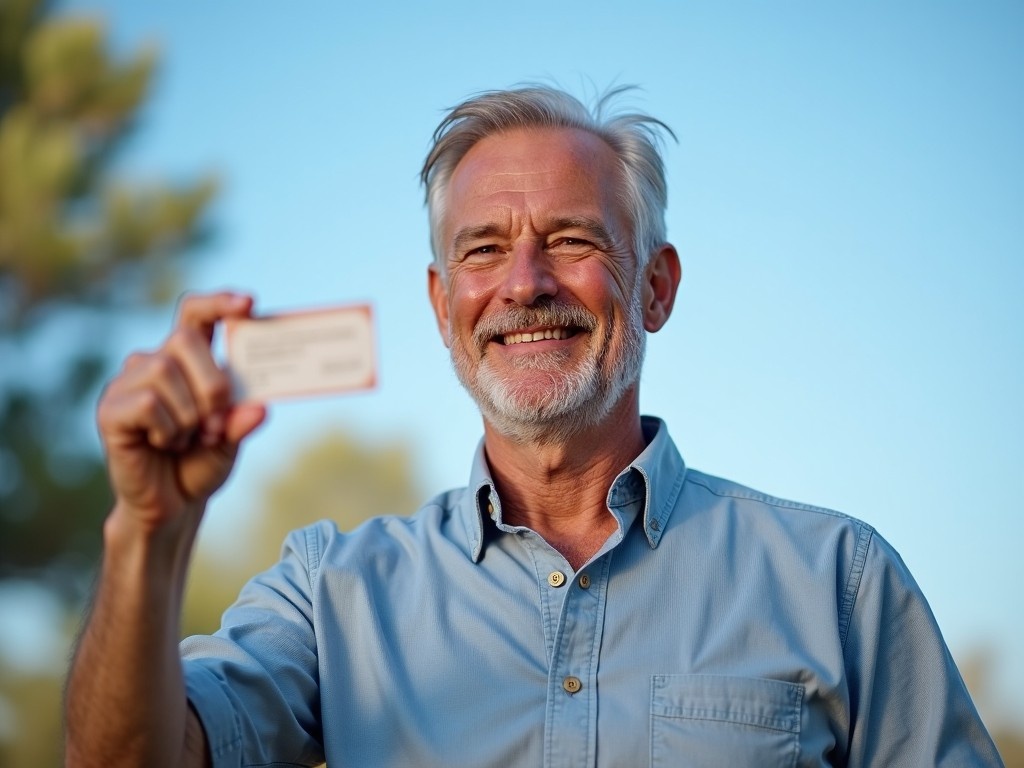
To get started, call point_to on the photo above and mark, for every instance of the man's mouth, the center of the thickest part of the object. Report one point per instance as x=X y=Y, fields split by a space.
x=519 y=325
x=522 y=337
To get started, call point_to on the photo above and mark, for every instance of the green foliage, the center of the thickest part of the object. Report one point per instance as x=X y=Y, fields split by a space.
x=78 y=245
x=67 y=228
x=55 y=503
x=76 y=240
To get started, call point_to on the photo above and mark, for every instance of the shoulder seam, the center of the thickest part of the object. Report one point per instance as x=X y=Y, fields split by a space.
x=312 y=553
x=865 y=534
x=748 y=494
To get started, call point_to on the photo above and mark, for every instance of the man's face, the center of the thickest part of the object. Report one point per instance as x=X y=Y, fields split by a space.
x=541 y=301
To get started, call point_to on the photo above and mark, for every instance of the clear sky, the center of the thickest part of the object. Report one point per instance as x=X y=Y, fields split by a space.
x=847 y=196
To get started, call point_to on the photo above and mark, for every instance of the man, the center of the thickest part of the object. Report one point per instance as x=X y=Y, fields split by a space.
x=587 y=600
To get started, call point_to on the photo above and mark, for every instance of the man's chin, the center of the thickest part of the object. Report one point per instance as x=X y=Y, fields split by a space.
x=539 y=393
x=550 y=400
x=538 y=414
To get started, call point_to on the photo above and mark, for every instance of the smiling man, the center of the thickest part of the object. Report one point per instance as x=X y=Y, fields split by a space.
x=586 y=600
x=543 y=302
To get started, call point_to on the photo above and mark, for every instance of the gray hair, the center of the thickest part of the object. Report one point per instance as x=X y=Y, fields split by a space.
x=634 y=137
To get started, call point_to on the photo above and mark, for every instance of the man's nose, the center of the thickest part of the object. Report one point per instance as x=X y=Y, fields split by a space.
x=529 y=275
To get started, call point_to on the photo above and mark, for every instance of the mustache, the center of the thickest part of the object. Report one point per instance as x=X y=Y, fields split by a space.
x=515 y=318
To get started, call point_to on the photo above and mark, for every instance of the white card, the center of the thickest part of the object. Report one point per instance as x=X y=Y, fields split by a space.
x=296 y=354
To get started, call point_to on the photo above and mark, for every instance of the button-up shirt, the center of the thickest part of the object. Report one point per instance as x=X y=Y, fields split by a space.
x=716 y=626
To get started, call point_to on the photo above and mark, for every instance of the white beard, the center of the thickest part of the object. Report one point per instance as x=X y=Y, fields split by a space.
x=557 y=401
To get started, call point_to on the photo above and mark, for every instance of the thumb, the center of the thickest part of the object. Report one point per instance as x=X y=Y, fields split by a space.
x=242 y=420
x=204 y=471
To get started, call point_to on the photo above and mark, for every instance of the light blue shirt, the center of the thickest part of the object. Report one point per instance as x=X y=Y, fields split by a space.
x=716 y=627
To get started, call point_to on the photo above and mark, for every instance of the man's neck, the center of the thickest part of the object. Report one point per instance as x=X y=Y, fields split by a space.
x=559 y=489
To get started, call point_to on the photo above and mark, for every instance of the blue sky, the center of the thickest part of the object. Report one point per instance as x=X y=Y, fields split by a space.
x=847 y=196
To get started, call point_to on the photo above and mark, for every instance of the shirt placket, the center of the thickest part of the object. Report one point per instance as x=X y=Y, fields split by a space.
x=571 y=712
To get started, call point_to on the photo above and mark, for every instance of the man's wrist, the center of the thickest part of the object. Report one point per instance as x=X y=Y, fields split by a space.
x=134 y=540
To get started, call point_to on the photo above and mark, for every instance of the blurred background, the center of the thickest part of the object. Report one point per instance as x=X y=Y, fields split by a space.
x=846 y=193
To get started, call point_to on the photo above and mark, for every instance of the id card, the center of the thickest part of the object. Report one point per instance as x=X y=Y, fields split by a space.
x=298 y=354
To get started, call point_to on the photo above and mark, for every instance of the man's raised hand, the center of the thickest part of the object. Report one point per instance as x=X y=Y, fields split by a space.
x=167 y=421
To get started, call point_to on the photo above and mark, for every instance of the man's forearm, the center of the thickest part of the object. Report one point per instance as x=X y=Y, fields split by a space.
x=126 y=700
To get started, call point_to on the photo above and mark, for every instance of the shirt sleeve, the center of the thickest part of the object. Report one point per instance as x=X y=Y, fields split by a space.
x=909 y=705
x=255 y=682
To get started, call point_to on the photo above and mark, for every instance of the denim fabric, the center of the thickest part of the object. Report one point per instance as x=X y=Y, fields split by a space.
x=717 y=626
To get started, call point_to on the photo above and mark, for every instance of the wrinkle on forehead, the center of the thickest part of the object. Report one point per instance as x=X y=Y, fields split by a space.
x=515 y=181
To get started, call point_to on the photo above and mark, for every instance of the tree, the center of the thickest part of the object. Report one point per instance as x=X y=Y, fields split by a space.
x=76 y=241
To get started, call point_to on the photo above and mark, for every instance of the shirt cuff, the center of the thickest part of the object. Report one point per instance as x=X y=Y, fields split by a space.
x=207 y=695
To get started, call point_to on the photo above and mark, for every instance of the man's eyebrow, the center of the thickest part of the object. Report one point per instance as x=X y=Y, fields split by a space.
x=594 y=229
x=467 y=235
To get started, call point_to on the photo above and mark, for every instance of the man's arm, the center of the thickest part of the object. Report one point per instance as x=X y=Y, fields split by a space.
x=910 y=705
x=126 y=697
x=171 y=436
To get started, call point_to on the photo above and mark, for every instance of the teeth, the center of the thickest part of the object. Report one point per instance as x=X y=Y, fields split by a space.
x=548 y=333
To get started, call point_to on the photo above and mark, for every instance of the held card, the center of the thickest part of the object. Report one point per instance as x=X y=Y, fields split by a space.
x=296 y=354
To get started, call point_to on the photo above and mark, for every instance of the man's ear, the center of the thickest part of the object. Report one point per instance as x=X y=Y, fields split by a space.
x=438 y=289
x=662 y=278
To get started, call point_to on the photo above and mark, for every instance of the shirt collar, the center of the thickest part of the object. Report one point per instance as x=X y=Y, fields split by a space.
x=657 y=473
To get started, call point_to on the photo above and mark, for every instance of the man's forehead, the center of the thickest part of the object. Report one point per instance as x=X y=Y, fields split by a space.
x=507 y=181
x=533 y=160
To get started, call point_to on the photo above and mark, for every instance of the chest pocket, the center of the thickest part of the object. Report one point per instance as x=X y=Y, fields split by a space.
x=717 y=720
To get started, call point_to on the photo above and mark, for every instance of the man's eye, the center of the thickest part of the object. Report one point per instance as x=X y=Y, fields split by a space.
x=571 y=242
x=482 y=250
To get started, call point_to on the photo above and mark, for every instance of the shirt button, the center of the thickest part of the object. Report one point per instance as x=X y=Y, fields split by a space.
x=556 y=578
x=584 y=581
x=490 y=510
x=571 y=684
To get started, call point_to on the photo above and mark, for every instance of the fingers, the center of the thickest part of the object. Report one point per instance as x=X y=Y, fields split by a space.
x=178 y=395
x=206 y=385
x=163 y=389
x=198 y=315
x=200 y=312
x=126 y=416
x=150 y=402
